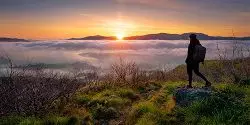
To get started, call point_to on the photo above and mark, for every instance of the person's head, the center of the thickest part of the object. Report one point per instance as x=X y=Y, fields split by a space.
x=192 y=36
x=193 y=39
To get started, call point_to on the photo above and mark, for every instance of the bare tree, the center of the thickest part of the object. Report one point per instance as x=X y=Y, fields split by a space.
x=235 y=62
x=34 y=90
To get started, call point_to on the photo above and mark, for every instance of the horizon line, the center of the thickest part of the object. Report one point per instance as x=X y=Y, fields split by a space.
x=16 y=37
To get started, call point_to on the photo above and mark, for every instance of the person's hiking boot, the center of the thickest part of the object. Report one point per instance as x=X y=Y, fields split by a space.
x=208 y=84
x=189 y=87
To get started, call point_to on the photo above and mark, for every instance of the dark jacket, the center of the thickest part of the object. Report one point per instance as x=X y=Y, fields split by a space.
x=191 y=50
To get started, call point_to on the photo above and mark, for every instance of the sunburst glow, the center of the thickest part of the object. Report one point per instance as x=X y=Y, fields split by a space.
x=120 y=36
x=120 y=28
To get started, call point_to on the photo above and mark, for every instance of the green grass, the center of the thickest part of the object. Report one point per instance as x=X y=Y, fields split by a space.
x=82 y=99
x=150 y=105
x=153 y=103
x=108 y=103
x=226 y=106
x=112 y=98
x=126 y=93
x=140 y=109
x=52 y=120
x=147 y=119
x=155 y=109
x=101 y=112
x=11 y=120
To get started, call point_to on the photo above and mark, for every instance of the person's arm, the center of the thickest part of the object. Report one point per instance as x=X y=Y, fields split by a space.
x=203 y=62
x=190 y=53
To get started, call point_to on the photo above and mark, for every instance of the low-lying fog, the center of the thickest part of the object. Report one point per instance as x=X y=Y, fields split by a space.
x=61 y=54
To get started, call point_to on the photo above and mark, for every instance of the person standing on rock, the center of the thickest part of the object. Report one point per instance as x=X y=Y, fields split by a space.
x=196 y=54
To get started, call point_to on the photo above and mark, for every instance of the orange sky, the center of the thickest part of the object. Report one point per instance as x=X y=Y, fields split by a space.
x=127 y=18
x=81 y=27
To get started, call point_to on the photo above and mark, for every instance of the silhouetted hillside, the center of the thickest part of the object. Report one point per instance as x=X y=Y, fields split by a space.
x=163 y=36
x=159 y=36
x=4 y=39
x=97 y=37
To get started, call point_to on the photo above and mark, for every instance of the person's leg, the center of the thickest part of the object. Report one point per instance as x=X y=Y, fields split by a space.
x=197 y=72
x=190 y=74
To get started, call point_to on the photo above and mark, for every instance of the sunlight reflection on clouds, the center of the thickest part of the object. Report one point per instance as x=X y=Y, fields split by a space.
x=103 y=53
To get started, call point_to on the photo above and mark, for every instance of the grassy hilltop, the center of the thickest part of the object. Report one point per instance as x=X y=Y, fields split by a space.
x=149 y=105
x=149 y=102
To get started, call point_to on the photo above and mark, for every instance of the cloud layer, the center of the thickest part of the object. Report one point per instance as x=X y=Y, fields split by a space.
x=103 y=53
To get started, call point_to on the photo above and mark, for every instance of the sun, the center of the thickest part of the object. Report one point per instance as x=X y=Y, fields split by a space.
x=120 y=36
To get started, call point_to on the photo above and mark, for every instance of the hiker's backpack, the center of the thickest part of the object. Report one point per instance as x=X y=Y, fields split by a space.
x=199 y=53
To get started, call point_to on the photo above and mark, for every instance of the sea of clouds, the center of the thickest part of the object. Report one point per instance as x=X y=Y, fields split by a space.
x=147 y=53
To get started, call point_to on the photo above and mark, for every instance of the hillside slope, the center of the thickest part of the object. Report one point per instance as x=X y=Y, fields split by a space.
x=227 y=71
x=152 y=104
x=148 y=102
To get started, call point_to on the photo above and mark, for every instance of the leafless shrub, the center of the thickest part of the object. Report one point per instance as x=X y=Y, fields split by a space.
x=130 y=74
x=31 y=90
x=123 y=73
x=235 y=63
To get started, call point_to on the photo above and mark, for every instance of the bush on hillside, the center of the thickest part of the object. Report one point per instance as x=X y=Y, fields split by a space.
x=29 y=90
x=225 y=106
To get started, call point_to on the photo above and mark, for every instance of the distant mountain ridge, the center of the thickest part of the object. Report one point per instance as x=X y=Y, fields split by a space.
x=163 y=36
x=5 y=39
x=96 y=37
